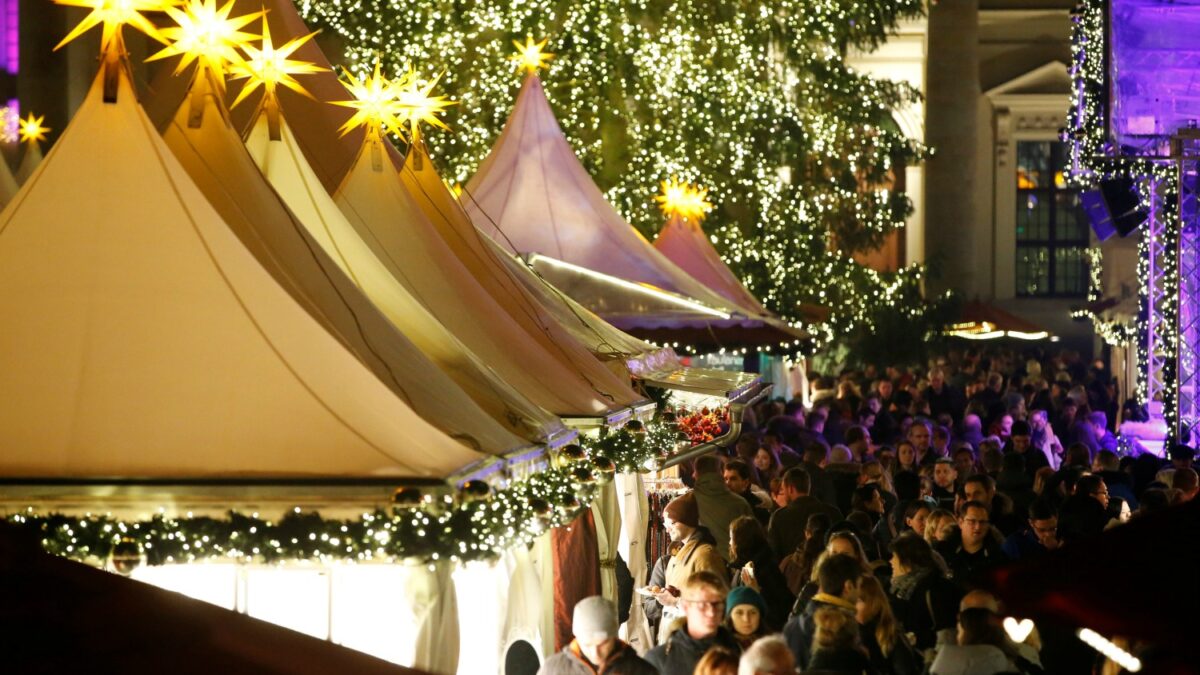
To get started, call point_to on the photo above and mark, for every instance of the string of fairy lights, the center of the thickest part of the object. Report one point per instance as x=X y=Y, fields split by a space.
x=752 y=100
x=1113 y=330
x=1093 y=159
x=478 y=523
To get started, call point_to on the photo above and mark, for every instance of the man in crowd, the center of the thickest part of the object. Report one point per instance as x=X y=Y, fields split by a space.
x=737 y=479
x=975 y=549
x=596 y=648
x=816 y=456
x=786 y=529
x=1020 y=443
x=981 y=488
x=943 y=483
x=837 y=582
x=1120 y=484
x=718 y=505
x=920 y=434
x=1085 y=512
x=1041 y=535
x=703 y=600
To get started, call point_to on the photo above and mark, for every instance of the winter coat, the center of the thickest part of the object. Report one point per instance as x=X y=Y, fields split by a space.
x=925 y=604
x=719 y=506
x=681 y=652
x=970 y=660
x=699 y=553
x=623 y=660
x=786 y=531
x=902 y=660
x=800 y=630
x=772 y=586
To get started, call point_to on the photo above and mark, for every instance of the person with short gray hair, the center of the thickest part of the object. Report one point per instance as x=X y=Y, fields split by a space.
x=596 y=647
x=767 y=656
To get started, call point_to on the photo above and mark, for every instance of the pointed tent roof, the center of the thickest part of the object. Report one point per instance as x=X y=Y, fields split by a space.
x=510 y=281
x=531 y=193
x=684 y=243
x=167 y=349
x=537 y=357
x=285 y=166
x=217 y=160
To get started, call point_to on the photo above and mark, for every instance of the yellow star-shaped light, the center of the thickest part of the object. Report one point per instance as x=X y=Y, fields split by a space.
x=374 y=102
x=269 y=66
x=681 y=199
x=205 y=34
x=530 y=55
x=32 y=130
x=415 y=105
x=113 y=14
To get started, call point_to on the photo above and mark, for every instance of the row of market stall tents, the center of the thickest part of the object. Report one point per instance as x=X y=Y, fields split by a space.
x=279 y=282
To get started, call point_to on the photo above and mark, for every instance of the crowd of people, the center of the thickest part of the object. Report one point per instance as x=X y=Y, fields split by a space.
x=852 y=536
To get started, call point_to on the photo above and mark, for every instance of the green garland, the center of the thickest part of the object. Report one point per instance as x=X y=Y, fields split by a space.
x=478 y=527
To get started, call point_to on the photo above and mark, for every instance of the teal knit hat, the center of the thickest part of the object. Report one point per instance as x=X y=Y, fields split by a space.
x=744 y=595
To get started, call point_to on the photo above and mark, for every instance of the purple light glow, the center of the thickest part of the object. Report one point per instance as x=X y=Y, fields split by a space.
x=1155 y=91
x=10 y=41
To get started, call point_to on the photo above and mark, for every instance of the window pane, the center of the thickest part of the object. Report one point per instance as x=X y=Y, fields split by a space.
x=1070 y=273
x=1070 y=221
x=1033 y=270
x=1033 y=165
x=1033 y=215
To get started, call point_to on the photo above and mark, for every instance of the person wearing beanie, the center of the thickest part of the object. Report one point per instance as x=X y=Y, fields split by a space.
x=596 y=648
x=698 y=553
x=744 y=613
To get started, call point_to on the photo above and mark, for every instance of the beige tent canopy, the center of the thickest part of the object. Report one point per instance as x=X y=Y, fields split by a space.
x=684 y=243
x=533 y=354
x=142 y=338
x=531 y=192
x=219 y=163
x=8 y=183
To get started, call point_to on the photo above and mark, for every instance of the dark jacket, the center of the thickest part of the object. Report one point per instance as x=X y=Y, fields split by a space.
x=847 y=660
x=786 y=530
x=902 y=660
x=681 y=652
x=650 y=605
x=772 y=586
x=800 y=629
x=821 y=483
x=967 y=568
x=928 y=606
x=623 y=660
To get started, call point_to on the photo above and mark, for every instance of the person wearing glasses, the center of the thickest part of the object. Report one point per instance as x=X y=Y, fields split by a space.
x=703 y=602
x=976 y=549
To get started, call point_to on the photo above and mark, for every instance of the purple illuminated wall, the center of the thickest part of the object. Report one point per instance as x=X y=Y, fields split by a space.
x=1155 y=88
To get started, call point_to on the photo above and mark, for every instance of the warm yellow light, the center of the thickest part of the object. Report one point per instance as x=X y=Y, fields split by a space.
x=530 y=55
x=205 y=34
x=113 y=14
x=415 y=105
x=32 y=130
x=375 y=103
x=269 y=66
x=681 y=199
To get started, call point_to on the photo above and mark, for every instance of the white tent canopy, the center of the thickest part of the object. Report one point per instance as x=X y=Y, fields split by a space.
x=684 y=243
x=215 y=157
x=142 y=338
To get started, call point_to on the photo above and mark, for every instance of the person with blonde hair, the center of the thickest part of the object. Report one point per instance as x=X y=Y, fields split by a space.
x=703 y=601
x=940 y=525
x=836 y=646
x=883 y=637
x=767 y=656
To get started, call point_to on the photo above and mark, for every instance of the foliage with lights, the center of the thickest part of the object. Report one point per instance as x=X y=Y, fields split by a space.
x=753 y=100
x=478 y=524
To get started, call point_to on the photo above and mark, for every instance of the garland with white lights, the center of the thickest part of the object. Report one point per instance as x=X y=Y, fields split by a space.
x=749 y=99
x=1115 y=332
x=480 y=525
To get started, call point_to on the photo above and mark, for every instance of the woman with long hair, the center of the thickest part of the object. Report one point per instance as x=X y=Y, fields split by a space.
x=922 y=598
x=766 y=464
x=940 y=525
x=883 y=636
x=840 y=542
x=906 y=457
x=755 y=565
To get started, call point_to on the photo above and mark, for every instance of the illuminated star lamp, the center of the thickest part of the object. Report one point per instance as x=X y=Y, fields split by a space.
x=678 y=198
x=375 y=103
x=112 y=15
x=416 y=105
x=530 y=56
x=269 y=67
x=204 y=34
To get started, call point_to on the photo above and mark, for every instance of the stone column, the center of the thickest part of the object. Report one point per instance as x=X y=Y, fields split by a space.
x=952 y=234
